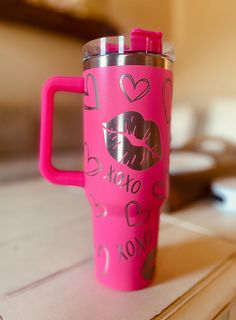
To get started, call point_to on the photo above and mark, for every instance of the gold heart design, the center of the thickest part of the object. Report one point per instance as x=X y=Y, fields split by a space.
x=88 y=91
x=126 y=92
x=140 y=216
x=92 y=165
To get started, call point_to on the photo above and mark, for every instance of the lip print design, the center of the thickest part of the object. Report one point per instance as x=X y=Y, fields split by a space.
x=90 y=93
x=133 y=141
x=134 y=90
x=158 y=190
x=92 y=164
x=100 y=208
x=167 y=98
x=135 y=216
x=148 y=268
x=104 y=259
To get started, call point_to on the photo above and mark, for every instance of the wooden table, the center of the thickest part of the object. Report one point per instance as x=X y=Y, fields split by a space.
x=46 y=264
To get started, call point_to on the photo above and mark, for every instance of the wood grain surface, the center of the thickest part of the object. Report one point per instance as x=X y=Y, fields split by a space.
x=46 y=262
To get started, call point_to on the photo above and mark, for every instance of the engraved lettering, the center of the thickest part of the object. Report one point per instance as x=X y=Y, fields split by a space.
x=140 y=244
x=109 y=175
x=118 y=179
x=138 y=186
x=121 y=252
x=122 y=181
x=134 y=246
x=126 y=184
x=130 y=248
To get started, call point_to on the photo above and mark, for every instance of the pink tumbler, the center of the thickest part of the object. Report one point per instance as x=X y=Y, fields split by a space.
x=127 y=88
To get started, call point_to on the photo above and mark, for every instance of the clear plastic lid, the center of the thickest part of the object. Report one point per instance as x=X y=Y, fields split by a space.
x=142 y=41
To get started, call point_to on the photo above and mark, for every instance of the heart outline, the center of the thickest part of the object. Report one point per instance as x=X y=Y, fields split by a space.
x=97 y=206
x=89 y=158
x=86 y=92
x=141 y=94
x=167 y=114
x=106 y=252
x=157 y=195
x=144 y=214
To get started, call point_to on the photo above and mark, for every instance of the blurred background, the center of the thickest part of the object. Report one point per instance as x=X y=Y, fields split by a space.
x=40 y=38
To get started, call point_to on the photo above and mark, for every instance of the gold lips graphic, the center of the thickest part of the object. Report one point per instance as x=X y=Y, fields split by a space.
x=133 y=141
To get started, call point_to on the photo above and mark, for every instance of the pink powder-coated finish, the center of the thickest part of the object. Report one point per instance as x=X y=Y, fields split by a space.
x=140 y=41
x=51 y=86
x=146 y=41
x=127 y=111
x=125 y=215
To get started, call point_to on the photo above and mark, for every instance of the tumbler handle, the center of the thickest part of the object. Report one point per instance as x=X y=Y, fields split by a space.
x=52 y=174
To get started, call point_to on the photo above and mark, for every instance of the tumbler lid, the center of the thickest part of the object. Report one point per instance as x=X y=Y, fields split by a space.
x=146 y=41
x=139 y=41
